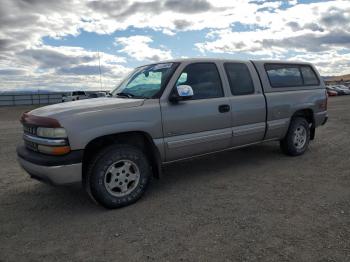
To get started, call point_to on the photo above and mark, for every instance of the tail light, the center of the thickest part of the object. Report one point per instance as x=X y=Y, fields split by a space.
x=324 y=103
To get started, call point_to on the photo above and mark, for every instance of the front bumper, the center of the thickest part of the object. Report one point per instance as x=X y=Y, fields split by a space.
x=56 y=170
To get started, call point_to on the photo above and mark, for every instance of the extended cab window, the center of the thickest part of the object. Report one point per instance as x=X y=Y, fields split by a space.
x=239 y=79
x=204 y=79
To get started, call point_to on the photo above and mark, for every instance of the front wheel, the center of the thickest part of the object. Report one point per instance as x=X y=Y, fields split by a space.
x=118 y=176
x=297 y=139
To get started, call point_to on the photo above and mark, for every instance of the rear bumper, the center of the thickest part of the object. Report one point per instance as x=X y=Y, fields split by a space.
x=321 y=118
x=325 y=120
x=56 y=170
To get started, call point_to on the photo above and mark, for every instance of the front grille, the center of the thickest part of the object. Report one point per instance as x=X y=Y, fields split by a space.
x=29 y=129
x=31 y=145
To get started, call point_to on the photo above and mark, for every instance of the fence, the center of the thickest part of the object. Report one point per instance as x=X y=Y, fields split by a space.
x=16 y=99
x=30 y=99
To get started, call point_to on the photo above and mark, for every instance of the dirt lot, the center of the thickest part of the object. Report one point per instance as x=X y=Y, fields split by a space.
x=252 y=204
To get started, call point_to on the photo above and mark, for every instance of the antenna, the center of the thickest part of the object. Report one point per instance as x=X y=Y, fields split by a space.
x=99 y=68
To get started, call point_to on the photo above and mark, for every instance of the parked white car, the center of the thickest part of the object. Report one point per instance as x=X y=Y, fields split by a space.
x=75 y=95
x=342 y=90
x=98 y=94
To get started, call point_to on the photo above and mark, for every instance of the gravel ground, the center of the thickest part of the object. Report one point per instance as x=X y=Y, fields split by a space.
x=252 y=204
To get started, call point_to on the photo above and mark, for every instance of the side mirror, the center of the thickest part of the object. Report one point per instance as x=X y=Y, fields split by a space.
x=181 y=92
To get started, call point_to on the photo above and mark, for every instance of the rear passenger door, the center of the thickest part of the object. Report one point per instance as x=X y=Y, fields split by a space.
x=199 y=125
x=247 y=103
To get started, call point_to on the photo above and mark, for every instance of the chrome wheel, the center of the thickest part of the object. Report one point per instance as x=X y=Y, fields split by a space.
x=121 y=178
x=300 y=136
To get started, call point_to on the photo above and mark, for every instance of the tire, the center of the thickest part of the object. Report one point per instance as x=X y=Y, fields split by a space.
x=297 y=139
x=118 y=176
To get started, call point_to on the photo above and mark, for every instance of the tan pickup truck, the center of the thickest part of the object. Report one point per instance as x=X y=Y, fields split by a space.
x=167 y=112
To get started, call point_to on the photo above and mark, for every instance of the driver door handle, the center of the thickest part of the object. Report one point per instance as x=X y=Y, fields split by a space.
x=224 y=108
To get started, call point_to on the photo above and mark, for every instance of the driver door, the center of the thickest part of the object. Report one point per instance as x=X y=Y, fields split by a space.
x=203 y=123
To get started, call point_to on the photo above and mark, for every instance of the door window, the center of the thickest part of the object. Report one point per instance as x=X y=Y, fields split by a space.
x=204 y=79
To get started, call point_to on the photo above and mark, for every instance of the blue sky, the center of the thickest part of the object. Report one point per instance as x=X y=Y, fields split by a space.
x=55 y=45
x=181 y=45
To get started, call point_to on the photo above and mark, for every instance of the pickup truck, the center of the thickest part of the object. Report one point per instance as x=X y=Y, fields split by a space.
x=167 y=112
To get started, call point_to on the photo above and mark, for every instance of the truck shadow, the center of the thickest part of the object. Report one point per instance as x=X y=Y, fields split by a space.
x=43 y=197
x=220 y=164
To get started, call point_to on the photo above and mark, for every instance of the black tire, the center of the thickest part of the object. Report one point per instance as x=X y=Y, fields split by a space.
x=96 y=174
x=288 y=144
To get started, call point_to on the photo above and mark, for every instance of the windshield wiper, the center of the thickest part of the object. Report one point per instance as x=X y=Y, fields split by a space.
x=124 y=94
x=129 y=95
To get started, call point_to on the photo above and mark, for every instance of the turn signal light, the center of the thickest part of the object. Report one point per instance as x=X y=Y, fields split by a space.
x=54 y=150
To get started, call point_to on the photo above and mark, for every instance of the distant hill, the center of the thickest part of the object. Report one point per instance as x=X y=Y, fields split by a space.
x=339 y=78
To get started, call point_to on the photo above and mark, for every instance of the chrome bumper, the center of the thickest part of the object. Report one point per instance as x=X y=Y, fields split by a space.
x=56 y=175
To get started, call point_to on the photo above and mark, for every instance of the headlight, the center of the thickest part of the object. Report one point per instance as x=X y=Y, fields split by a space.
x=51 y=132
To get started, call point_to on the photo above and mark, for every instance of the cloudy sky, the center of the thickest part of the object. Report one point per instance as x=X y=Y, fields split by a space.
x=56 y=45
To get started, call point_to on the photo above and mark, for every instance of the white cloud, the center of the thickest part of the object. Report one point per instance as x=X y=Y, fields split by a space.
x=328 y=63
x=138 y=48
x=318 y=32
x=61 y=67
x=326 y=24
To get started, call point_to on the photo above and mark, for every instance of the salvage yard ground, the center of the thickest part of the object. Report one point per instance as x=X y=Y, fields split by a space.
x=252 y=204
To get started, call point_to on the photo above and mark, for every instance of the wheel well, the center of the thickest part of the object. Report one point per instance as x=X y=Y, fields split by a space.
x=141 y=140
x=308 y=114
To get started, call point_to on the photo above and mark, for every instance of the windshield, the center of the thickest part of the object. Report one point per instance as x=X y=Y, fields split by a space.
x=146 y=81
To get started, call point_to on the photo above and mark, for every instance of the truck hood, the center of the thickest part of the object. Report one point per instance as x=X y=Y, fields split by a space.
x=62 y=110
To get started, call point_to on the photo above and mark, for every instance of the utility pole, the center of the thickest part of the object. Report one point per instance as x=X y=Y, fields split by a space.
x=99 y=68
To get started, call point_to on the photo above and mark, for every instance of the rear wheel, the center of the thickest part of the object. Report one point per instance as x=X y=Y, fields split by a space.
x=118 y=176
x=297 y=139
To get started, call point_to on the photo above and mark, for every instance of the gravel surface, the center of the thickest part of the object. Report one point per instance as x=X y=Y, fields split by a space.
x=251 y=204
